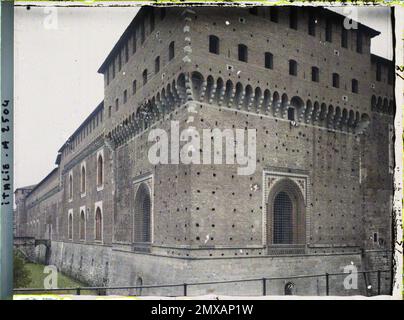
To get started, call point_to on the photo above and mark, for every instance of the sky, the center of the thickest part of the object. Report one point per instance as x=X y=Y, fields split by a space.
x=57 y=54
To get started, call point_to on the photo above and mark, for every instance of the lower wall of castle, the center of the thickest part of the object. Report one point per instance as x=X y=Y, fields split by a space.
x=108 y=266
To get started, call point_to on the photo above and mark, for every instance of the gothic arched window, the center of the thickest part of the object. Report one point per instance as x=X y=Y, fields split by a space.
x=282 y=219
x=82 y=225
x=142 y=218
x=70 y=226
x=100 y=171
x=98 y=224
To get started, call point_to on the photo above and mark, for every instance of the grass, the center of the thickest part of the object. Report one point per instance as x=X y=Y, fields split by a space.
x=37 y=276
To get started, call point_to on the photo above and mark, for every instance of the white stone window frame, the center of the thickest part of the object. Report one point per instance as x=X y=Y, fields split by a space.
x=100 y=187
x=98 y=204
x=70 y=213
x=70 y=195
x=83 y=165
x=83 y=209
x=265 y=191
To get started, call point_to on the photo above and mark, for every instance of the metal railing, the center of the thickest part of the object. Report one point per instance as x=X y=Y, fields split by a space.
x=185 y=286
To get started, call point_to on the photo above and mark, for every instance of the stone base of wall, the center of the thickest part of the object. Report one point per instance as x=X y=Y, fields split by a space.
x=108 y=266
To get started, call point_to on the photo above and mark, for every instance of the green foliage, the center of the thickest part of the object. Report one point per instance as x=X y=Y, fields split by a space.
x=22 y=276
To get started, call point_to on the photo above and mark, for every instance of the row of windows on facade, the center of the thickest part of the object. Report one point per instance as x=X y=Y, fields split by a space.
x=83 y=178
x=94 y=123
x=142 y=35
x=171 y=55
x=269 y=63
x=82 y=225
x=312 y=26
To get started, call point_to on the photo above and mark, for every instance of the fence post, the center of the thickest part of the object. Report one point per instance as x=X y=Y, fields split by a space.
x=185 y=289
x=264 y=286
x=327 y=284
x=378 y=282
x=78 y=291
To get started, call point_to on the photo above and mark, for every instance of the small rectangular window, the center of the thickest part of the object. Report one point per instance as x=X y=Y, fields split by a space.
x=312 y=25
x=125 y=96
x=162 y=13
x=359 y=42
x=335 y=80
x=171 y=51
x=292 y=67
x=293 y=18
x=390 y=76
x=378 y=71
x=344 y=37
x=269 y=61
x=273 y=15
x=213 y=44
x=152 y=20
x=134 y=43
x=328 y=31
x=144 y=76
x=126 y=52
x=243 y=53
x=142 y=32
x=315 y=74
x=157 y=65
x=116 y=104
x=355 y=88
x=134 y=87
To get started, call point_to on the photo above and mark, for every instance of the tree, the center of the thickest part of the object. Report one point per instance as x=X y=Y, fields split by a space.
x=22 y=276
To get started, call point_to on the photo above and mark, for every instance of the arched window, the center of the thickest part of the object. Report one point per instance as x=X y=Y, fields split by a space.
x=70 y=226
x=355 y=86
x=315 y=74
x=269 y=60
x=98 y=224
x=82 y=225
x=289 y=289
x=83 y=179
x=213 y=44
x=335 y=80
x=70 y=186
x=286 y=222
x=142 y=218
x=116 y=104
x=171 y=51
x=292 y=67
x=282 y=220
x=100 y=171
x=243 y=52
